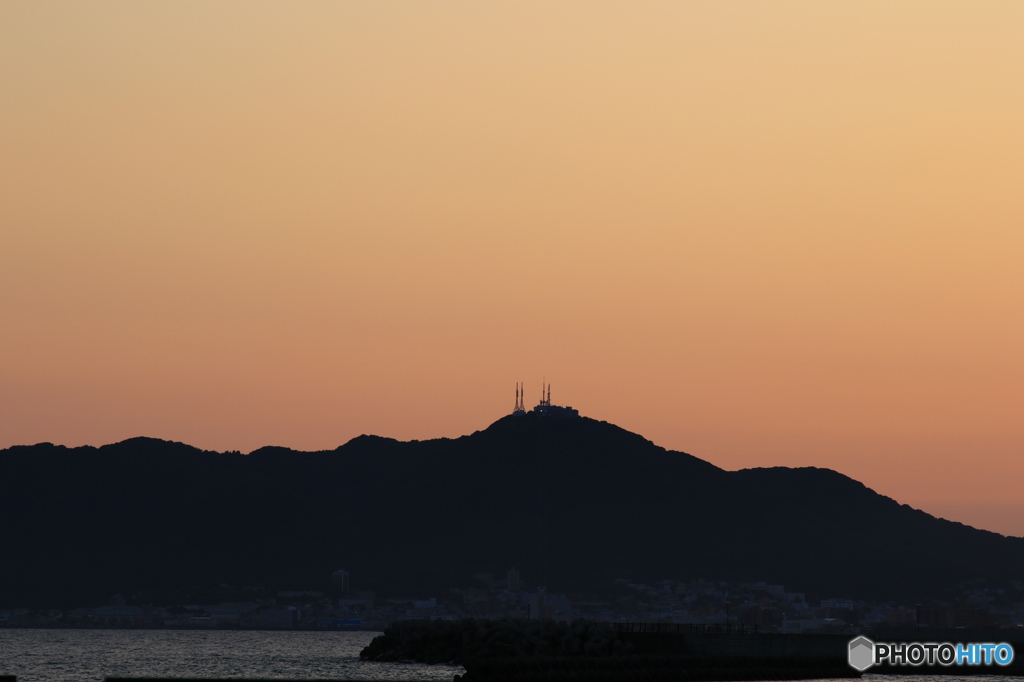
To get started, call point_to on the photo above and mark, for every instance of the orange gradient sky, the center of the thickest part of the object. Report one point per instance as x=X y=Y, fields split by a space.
x=786 y=233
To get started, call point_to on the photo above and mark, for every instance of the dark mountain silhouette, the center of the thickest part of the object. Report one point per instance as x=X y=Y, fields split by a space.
x=572 y=503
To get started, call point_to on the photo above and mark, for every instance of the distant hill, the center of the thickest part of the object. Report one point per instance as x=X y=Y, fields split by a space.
x=572 y=503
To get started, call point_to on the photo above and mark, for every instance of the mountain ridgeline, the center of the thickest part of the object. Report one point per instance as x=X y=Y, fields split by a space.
x=572 y=503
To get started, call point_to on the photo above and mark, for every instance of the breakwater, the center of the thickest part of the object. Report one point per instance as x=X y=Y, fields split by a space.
x=459 y=641
x=652 y=669
x=503 y=651
x=500 y=651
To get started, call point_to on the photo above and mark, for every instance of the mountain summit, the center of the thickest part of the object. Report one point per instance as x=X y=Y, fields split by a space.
x=574 y=503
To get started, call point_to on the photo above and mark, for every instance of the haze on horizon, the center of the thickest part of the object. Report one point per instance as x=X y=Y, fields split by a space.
x=766 y=234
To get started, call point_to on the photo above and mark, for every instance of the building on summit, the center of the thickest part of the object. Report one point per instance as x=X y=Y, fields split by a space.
x=544 y=407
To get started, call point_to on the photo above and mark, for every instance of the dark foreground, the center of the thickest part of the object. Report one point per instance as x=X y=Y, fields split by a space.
x=523 y=483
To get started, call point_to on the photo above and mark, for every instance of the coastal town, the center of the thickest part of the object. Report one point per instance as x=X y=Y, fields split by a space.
x=747 y=606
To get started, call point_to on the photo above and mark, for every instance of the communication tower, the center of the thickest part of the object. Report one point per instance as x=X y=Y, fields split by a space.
x=546 y=409
x=520 y=400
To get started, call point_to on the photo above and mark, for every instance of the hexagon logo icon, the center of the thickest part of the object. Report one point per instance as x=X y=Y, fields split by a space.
x=862 y=653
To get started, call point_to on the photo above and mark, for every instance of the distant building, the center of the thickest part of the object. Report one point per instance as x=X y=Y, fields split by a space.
x=556 y=607
x=300 y=594
x=340 y=581
x=546 y=409
x=477 y=602
x=117 y=614
x=512 y=579
x=277 y=618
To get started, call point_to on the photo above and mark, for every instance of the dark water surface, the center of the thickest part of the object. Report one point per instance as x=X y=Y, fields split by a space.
x=91 y=655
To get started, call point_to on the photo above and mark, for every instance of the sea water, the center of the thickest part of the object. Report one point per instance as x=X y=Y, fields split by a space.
x=43 y=655
x=35 y=655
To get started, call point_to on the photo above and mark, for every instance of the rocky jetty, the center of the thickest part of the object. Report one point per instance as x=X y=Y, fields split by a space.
x=642 y=668
x=463 y=641
x=584 y=651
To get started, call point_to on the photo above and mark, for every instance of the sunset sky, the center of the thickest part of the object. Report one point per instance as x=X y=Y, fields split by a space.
x=764 y=233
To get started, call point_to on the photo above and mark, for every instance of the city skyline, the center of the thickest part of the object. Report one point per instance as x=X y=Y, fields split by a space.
x=765 y=235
